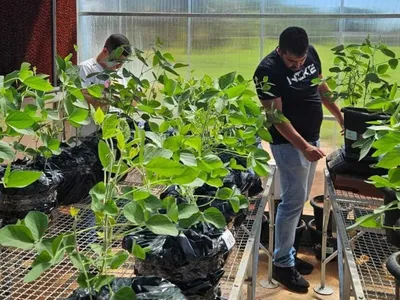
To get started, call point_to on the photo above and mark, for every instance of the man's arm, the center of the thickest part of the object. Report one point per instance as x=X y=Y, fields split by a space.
x=323 y=89
x=311 y=152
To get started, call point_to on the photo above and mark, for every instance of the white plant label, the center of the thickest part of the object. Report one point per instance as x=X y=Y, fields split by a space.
x=351 y=135
x=228 y=239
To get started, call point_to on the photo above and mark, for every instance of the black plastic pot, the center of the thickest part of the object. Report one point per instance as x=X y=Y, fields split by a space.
x=193 y=261
x=340 y=162
x=316 y=237
x=393 y=266
x=264 y=235
x=318 y=205
x=149 y=287
x=355 y=123
x=80 y=167
x=392 y=218
x=15 y=203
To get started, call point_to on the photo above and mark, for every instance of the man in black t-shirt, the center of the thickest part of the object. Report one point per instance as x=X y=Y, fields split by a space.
x=290 y=69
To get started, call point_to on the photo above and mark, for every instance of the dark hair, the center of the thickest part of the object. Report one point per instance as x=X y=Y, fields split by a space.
x=117 y=40
x=294 y=40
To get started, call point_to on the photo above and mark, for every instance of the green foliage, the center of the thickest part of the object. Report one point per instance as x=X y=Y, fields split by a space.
x=358 y=78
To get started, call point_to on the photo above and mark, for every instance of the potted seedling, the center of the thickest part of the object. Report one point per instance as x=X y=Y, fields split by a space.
x=25 y=116
x=95 y=263
x=386 y=142
x=361 y=80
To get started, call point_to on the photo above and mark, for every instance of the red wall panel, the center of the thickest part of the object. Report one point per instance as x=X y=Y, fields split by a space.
x=26 y=33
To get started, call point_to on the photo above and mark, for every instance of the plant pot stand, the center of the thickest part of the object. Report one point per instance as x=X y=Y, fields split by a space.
x=362 y=252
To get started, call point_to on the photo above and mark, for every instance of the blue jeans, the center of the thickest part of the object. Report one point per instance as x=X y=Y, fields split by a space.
x=296 y=177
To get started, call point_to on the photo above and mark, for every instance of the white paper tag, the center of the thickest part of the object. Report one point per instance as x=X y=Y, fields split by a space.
x=228 y=239
x=351 y=135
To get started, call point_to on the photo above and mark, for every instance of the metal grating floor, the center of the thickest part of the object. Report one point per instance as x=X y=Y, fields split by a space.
x=369 y=247
x=59 y=282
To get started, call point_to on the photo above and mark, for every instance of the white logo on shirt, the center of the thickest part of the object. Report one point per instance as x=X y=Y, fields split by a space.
x=300 y=75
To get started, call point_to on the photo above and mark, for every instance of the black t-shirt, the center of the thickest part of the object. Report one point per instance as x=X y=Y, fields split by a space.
x=301 y=102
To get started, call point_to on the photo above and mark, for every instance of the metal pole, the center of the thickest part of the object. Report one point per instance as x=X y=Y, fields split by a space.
x=270 y=283
x=244 y=15
x=323 y=289
x=189 y=36
x=262 y=28
x=54 y=40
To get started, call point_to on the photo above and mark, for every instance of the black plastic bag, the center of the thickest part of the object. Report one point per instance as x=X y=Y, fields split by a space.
x=15 y=203
x=247 y=182
x=81 y=168
x=146 y=288
x=193 y=260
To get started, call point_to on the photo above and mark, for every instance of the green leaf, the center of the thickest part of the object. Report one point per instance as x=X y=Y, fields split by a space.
x=173 y=212
x=235 y=203
x=224 y=193
x=180 y=65
x=214 y=216
x=189 y=222
x=383 y=68
x=390 y=159
x=368 y=221
x=372 y=77
x=264 y=134
x=235 y=91
x=188 y=159
x=105 y=154
x=152 y=203
x=393 y=63
x=215 y=182
x=20 y=179
x=194 y=142
x=334 y=70
x=98 y=116
x=6 y=152
x=261 y=169
x=102 y=280
x=219 y=173
x=19 y=119
x=394 y=176
x=338 y=48
x=37 y=222
x=151 y=151
x=188 y=176
x=133 y=212
x=366 y=147
x=37 y=83
x=124 y=293
x=140 y=194
x=165 y=167
x=79 y=116
x=18 y=236
x=234 y=165
x=118 y=259
x=388 y=52
x=41 y=264
x=211 y=161
x=110 y=208
x=96 y=90
x=110 y=126
x=187 y=210
x=160 y=224
x=138 y=251
x=393 y=91
x=226 y=80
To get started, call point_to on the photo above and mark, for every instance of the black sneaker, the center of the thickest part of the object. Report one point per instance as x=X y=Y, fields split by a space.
x=290 y=278
x=303 y=267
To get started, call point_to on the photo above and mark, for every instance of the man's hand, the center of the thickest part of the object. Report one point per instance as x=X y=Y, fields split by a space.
x=313 y=153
